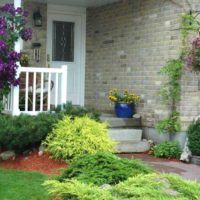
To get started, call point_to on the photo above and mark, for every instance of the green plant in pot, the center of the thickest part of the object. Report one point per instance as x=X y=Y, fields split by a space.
x=124 y=102
x=24 y=60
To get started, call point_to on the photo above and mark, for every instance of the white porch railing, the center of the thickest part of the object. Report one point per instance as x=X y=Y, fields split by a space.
x=40 y=89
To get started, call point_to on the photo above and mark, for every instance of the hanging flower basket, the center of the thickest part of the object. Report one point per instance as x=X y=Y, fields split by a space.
x=193 y=59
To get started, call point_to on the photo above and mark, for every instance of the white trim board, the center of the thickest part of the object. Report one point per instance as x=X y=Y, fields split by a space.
x=52 y=8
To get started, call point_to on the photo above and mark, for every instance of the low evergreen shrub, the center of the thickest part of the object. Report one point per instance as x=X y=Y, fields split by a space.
x=103 y=168
x=167 y=149
x=140 y=187
x=194 y=138
x=75 y=190
x=81 y=135
x=22 y=132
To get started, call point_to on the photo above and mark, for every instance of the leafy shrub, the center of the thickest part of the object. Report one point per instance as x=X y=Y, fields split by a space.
x=140 y=187
x=194 y=137
x=81 y=135
x=76 y=190
x=170 y=124
x=156 y=186
x=167 y=150
x=76 y=111
x=21 y=132
x=103 y=168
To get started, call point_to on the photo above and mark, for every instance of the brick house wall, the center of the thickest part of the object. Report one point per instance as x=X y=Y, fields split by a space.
x=39 y=33
x=127 y=44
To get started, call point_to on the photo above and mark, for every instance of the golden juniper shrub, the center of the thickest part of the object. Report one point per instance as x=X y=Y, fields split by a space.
x=141 y=187
x=73 y=137
x=73 y=189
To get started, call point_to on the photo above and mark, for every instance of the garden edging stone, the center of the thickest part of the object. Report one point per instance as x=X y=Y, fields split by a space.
x=6 y=155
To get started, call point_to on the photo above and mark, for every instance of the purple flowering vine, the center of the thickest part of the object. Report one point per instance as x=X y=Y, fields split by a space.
x=26 y=34
x=12 y=27
x=193 y=59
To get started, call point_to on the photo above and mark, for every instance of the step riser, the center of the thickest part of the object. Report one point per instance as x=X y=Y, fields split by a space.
x=133 y=147
x=120 y=122
x=122 y=131
x=134 y=135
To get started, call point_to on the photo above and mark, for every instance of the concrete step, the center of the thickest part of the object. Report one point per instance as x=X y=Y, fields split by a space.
x=115 y=122
x=133 y=147
x=119 y=134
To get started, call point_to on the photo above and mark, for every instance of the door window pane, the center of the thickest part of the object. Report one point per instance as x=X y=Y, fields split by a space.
x=63 y=41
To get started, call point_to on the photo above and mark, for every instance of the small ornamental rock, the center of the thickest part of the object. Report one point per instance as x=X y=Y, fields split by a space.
x=150 y=142
x=40 y=153
x=105 y=186
x=6 y=155
x=137 y=116
x=186 y=154
x=41 y=150
x=27 y=152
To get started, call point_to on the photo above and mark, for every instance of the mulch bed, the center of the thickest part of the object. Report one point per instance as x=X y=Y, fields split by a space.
x=34 y=162
x=44 y=164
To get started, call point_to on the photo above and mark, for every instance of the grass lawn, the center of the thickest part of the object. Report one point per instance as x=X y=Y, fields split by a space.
x=21 y=185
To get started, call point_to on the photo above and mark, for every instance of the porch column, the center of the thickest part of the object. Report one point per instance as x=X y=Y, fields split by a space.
x=17 y=3
x=15 y=90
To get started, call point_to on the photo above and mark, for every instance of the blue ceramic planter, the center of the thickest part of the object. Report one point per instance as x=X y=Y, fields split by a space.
x=124 y=110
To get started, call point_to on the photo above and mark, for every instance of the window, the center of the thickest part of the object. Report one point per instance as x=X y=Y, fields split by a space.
x=63 y=41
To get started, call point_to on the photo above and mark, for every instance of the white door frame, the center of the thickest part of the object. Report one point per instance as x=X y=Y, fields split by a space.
x=76 y=11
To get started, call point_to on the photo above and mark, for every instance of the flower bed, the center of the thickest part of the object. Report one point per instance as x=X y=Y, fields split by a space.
x=34 y=162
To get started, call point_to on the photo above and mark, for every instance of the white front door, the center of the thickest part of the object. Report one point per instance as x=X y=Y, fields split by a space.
x=65 y=46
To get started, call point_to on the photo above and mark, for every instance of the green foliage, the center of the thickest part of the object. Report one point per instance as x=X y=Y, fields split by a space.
x=170 y=124
x=140 y=187
x=21 y=132
x=194 y=138
x=189 y=189
x=124 y=97
x=103 y=168
x=189 y=24
x=75 y=190
x=170 y=91
x=21 y=185
x=76 y=111
x=167 y=150
x=81 y=135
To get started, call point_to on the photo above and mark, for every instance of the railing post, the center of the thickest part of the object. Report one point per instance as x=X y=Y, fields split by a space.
x=64 y=84
x=15 y=97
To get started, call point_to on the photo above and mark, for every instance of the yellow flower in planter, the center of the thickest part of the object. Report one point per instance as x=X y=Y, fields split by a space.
x=123 y=97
